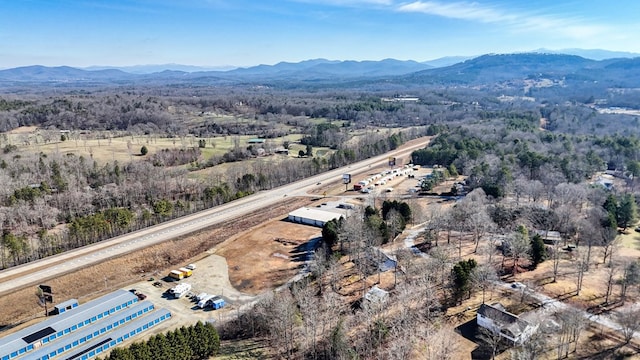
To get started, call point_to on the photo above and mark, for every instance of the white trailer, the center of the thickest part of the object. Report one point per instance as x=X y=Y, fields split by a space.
x=201 y=296
x=203 y=302
x=181 y=290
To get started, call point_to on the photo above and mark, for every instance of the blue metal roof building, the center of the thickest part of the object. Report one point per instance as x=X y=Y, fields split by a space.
x=110 y=340
x=83 y=337
x=66 y=305
x=35 y=336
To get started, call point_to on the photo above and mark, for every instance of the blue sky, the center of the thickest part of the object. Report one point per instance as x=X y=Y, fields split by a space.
x=250 y=32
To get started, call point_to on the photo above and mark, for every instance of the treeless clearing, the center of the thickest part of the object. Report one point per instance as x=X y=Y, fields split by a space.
x=268 y=256
x=630 y=239
x=23 y=130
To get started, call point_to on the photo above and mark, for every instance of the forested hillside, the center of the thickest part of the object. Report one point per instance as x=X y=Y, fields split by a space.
x=527 y=145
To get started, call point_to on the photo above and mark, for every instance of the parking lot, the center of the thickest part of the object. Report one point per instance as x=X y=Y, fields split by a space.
x=210 y=276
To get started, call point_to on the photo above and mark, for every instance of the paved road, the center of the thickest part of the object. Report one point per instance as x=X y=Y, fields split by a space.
x=51 y=267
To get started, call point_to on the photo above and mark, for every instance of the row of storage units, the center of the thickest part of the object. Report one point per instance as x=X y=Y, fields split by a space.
x=110 y=339
x=81 y=337
x=75 y=327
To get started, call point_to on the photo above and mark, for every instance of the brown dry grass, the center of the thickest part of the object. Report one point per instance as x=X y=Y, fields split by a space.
x=156 y=260
x=265 y=257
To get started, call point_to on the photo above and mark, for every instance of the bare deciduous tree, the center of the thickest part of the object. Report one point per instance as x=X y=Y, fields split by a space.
x=484 y=278
x=629 y=321
x=572 y=323
x=493 y=339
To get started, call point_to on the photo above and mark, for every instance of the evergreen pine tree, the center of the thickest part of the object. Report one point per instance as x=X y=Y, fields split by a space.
x=538 y=250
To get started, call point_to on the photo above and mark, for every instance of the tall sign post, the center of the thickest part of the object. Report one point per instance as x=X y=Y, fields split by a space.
x=346 y=180
x=45 y=295
x=392 y=162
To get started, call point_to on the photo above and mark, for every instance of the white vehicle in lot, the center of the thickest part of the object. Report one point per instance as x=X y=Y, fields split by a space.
x=204 y=301
x=201 y=296
x=191 y=266
x=180 y=290
x=365 y=190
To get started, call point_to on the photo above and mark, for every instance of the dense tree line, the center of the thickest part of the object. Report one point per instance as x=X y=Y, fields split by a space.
x=197 y=342
x=98 y=201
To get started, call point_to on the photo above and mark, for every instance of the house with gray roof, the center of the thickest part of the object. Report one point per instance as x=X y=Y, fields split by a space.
x=511 y=327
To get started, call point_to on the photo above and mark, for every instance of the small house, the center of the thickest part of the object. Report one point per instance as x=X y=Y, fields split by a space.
x=511 y=327
x=549 y=237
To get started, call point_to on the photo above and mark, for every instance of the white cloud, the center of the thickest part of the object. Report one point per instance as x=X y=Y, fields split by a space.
x=458 y=10
x=569 y=27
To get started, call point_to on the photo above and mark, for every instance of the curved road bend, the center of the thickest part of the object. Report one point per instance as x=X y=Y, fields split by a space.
x=51 y=267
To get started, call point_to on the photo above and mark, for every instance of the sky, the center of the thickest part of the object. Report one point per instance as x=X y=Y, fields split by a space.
x=217 y=33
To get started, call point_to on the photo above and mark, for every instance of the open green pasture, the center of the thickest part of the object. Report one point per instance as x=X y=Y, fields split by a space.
x=106 y=146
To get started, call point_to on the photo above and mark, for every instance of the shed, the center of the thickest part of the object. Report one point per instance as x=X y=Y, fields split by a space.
x=217 y=303
x=375 y=296
x=65 y=306
x=256 y=141
x=549 y=237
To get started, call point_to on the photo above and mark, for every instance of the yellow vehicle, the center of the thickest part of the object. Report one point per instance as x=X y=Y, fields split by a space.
x=178 y=275
x=186 y=272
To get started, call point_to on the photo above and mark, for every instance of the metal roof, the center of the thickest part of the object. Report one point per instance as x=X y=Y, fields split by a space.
x=376 y=295
x=506 y=321
x=90 y=329
x=31 y=334
x=315 y=214
x=132 y=326
x=64 y=304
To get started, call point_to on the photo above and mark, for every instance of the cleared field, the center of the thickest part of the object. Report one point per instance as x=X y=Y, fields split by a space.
x=105 y=146
x=630 y=239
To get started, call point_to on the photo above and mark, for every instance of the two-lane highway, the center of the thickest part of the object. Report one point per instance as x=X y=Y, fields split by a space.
x=51 y=267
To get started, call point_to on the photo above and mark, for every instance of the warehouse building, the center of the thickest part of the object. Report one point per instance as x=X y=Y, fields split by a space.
x=75 y=326
x=318 y=216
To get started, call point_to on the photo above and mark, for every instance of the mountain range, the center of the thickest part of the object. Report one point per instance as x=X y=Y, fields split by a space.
x=479 y=70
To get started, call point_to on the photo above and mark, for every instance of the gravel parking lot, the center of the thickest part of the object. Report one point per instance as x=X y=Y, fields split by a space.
x=210 y=276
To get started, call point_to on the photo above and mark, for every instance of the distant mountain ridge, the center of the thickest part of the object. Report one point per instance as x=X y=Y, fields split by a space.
x=498 y=68
x=593 y=54
x=485 y=69
x=309 y=69
x=156 y=68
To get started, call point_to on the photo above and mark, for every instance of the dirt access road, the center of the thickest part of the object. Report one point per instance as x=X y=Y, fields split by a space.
x=38 y=271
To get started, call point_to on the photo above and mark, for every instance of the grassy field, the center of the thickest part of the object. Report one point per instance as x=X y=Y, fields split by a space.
x=107 y=146
x=630 y=239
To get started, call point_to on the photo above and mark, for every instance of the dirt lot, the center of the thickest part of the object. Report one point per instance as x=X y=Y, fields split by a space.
x=267 y=256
